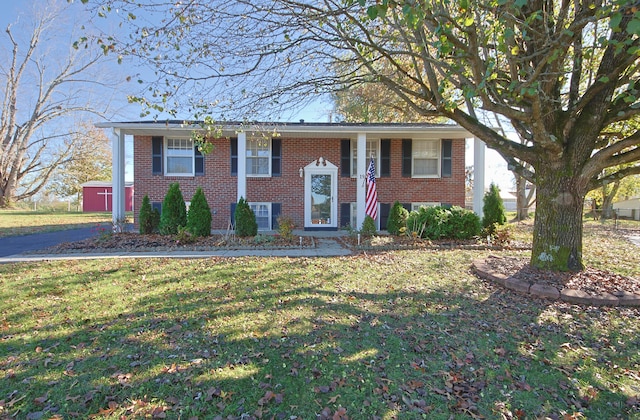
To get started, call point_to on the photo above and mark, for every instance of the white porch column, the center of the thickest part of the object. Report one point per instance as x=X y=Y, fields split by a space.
x=242 y=165
x=478 y=175
x=361 y=172
x=117 y=185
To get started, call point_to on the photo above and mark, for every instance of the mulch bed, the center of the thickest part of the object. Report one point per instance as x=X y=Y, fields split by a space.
x=591 y=280
x=390 y=242
x=127 y=242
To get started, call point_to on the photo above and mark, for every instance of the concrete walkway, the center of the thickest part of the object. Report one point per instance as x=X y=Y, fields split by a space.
x=326 y=246
x=634 y=239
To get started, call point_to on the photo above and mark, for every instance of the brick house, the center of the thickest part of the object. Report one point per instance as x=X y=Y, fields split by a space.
x=311 y=172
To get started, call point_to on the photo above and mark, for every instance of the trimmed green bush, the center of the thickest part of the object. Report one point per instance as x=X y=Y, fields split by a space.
x=174 y=211
x=368 y=227
x=155 y=220
x=493 y=209
x=199 y=215
x=443 y=223
x=148 y=218
x=397 y=219
x=464 y=224
x=246 y=224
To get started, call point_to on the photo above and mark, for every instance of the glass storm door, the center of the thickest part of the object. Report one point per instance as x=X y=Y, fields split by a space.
x=321 y=207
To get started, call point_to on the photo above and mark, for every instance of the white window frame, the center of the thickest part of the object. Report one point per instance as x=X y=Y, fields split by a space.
x=269 y=213
x=249 y=158
x=416 y=206
x=168 y=155
x=438 y=158
x=373 y=145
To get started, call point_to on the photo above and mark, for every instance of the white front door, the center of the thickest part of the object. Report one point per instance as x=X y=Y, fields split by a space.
x=321 y=195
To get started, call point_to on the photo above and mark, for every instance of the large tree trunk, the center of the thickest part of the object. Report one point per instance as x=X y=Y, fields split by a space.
x=557 y=232
x=7 y=193
x=522 y=208
x=607 y=199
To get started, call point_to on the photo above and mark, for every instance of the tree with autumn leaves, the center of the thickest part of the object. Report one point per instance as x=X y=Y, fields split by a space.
x=90 y=161
x=563 y=74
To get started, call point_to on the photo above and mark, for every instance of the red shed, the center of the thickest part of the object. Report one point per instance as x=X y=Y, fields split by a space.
x=97 y=196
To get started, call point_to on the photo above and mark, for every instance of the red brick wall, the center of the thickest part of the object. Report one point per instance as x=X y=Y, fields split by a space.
x=407 y=190
x=217 y=183
x=220 y=187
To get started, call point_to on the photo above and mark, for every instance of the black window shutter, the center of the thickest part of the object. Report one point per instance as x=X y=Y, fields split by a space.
x=385 y=158
x=199 y=161
x=276 y=208
x=345 y=215
x=406 y=158
x=407 y=206
x=447 y=158
x=446 y=205
x=345 y=158
x=234 y=156
x=385 y=209
x=233 y=213
x=156 y=154
x=276 y=157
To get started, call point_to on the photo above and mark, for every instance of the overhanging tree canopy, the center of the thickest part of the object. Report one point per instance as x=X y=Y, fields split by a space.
x=564 y=73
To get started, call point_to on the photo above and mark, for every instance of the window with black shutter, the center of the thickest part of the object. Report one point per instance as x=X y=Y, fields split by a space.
x=406 y=158
x=157 y=144
x=447 y=158
x=233 y=213
x=276 y=157
x=234 y=155
x=385 y=209
x=345 y=214
x=345 y=158
x=385 y=158
x=276 y=209
x=199 y=162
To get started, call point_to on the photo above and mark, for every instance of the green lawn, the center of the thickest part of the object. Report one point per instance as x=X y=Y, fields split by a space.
x=24 y=222
x=403 y=334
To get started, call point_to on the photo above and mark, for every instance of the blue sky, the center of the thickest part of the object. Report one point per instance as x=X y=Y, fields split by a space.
x=16 y=12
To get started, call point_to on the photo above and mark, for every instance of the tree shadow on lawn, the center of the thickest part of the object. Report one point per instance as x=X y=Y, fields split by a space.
x=361 y=338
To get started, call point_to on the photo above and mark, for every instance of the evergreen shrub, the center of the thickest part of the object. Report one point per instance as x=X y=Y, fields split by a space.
x=493 y=209
x=199 y=215
x=397 y=219
x=246 y=224
x=174 y=211
x=368 y=227
x=148 y=218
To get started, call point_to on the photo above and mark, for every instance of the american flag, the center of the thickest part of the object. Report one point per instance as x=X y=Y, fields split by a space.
x=371 y=208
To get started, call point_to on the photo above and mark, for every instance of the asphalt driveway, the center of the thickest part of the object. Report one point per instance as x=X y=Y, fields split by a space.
x=11 y=245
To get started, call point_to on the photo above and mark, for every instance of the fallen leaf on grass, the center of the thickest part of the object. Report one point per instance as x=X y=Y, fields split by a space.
x=333 y=399
x=111 y=407
x=41 y=400
x=158 y=413
x=500 y=351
